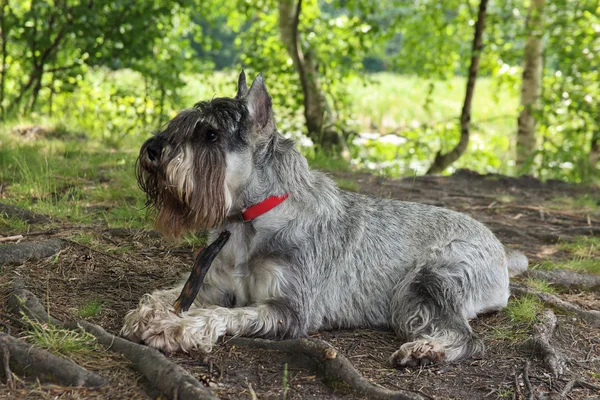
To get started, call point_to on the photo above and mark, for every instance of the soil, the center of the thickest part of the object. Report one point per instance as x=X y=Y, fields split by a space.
x=121 y=265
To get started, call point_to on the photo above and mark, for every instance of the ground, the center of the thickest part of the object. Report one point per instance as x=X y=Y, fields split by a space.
x=102 y=272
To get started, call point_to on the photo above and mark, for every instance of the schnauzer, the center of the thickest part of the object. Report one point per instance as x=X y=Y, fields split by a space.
x=305 y=255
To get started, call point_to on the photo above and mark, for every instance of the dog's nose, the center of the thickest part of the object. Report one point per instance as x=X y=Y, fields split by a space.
x=154 y=151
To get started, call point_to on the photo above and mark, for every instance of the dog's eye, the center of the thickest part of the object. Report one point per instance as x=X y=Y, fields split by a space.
x=210 y=135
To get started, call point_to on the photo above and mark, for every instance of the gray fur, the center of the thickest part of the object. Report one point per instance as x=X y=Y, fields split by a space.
x=326 y=258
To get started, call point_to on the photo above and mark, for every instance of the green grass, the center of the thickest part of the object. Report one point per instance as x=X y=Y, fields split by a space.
x=541 y=285
x=582 y=246
x=91 y=309
x=585 y=253
x=10 y=225
x=82 y=183
x=589 y=265
x=59 y=341
x=524 y=310
x=347 y=184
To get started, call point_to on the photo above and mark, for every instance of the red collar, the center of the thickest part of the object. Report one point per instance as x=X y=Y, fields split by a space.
x=260 y=208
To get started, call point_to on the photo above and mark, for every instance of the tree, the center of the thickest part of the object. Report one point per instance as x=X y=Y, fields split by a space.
x=442 y=161
x=52 y=42
x=317 y=112
x=531 y=85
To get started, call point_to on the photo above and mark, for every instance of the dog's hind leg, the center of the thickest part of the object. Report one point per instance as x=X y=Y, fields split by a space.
x=432 y=303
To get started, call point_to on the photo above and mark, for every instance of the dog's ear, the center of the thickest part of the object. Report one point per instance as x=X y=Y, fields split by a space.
x=242 y=86
x=259 y=103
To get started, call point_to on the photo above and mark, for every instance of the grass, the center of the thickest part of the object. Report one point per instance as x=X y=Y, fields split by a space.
x=521 y=313
x=524 y=310
x=10 y=225
x=541 y=285
x=347 y=184
x=83 y=183
x=584 y=252
x=59 y=341
x=91 y=309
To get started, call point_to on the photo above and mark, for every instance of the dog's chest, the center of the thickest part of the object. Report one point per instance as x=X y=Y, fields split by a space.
x=252 y=277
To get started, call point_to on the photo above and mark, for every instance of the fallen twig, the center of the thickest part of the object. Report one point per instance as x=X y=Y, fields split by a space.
x=540 y=343
x=11 y=238
x=331 y=362
x=592 y=317
x=166 y=376
x=44 y=364
x=566 y=278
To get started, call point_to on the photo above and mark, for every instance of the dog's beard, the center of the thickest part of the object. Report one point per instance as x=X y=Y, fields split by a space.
x=187 y=190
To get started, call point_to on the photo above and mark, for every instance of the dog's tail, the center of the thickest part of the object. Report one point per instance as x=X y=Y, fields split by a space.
x=517 y=262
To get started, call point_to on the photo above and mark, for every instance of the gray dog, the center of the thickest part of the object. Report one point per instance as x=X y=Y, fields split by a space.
x=303 y=254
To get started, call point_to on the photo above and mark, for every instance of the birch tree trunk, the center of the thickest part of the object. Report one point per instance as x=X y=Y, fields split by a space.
x=531 y=86
x=443 y=161
x=319 y=119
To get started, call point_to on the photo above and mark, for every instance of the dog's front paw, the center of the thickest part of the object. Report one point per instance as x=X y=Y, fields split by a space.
x=173 y=333
x=417 y=353
x=136 y=321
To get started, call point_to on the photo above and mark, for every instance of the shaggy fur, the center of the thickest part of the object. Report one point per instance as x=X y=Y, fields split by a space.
x=323 y=259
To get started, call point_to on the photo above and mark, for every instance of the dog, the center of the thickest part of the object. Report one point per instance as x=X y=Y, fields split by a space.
x=303 y=254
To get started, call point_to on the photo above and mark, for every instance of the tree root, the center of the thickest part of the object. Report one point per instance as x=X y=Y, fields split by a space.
x=333 y=364
x=569 y=279
x=25 y=215
x=18 y=253
x=166 y=376
x=45 y=365
x=528 y=386
x=592 y=317
x=540 y=343
x=10 y=379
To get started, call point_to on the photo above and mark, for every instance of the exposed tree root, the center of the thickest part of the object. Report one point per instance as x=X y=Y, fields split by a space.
x=578 y=383
x=333 y=364
x=166 y=376
x=566 y=278
x=10 y=379
x=25 y=215
x=540 y=343
x=45 y=365
x=20 y=252
x=592 y=317
x=528 y=386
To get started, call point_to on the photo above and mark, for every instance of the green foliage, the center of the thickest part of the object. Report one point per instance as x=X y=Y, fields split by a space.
x=115 y=69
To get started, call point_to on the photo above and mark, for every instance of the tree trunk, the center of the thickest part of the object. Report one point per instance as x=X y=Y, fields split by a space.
x=4 y=10
x=443 y=161
x=319 y=119
x=595 y=149
x=531 y=85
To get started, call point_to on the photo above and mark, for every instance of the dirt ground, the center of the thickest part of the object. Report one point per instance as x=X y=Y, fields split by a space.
x=120 y=265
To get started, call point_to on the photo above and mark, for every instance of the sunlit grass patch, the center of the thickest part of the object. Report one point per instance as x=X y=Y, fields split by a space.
x=541 y=285
x=524 y=310
x=58 y=340
x=582 y=246
x=10 y=225
x=589 y=265
x=90 y=309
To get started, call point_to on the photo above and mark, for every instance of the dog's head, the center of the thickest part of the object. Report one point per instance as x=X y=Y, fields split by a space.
x=192 y=169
